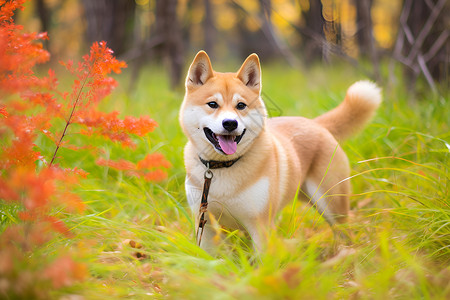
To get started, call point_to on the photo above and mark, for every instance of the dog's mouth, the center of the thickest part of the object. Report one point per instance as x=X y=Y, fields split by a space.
x=224 y=143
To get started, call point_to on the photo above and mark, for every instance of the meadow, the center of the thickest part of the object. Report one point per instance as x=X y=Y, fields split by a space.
x=136 y=239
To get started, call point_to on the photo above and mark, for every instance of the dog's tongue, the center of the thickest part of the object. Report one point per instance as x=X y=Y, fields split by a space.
x=227 y=143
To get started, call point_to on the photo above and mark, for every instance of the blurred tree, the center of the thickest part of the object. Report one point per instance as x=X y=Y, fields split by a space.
x=364 y=34
x=313 y=33
x=332 y=26
x=422 y=42
x=44 y=17
x=264 y=39
x=110 y=21
x=138 y=30
x=428 y=21
x=168 y=29
x=364 y=25
x=250 y=39
x=278 y=45
x=209 y=28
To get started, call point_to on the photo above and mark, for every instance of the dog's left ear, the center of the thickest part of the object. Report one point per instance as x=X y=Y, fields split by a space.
x=250 y=72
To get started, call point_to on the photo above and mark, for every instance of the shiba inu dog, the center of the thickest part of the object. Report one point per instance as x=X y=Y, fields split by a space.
x=258 y=164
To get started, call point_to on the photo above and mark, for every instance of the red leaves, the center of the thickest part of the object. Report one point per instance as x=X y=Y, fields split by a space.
x=103 y=61
x=153 y=161
x=92 y=83
x=110 y=126
x=3 y=111
x=7 y=9
x=29 y=109
x=64 y=272
x=120 y=165
x=20 y=153
x=19 y=52
x=91 y=86
x=26 y=276
x=39 y=103
x=39 y=191
x=150 y=168
x=141 y=126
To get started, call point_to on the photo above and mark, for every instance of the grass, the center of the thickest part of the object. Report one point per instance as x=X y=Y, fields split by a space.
x=400 y=225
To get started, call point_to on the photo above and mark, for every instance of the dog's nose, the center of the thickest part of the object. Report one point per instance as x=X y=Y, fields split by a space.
x=230 y=124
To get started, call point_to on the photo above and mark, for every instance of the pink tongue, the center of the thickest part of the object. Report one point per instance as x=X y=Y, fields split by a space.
x=227 y=144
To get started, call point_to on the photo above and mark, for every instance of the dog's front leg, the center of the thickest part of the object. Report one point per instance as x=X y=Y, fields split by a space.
x=210 y=239
x=256 y=231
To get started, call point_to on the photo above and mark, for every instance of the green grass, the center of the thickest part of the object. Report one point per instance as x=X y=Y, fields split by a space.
x=400 y=225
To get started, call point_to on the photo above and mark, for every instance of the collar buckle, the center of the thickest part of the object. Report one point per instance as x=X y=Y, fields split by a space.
x=218 y=164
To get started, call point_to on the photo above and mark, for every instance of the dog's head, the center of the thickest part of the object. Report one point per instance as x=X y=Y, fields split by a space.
x=222 y=113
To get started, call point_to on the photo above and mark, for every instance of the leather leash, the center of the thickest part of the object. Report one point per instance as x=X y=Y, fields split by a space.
x=208 y=175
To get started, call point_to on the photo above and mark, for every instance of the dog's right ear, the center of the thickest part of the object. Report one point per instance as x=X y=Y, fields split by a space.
x=200 y=70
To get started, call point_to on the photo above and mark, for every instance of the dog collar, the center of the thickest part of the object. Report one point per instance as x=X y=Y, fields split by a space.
x=217 y=164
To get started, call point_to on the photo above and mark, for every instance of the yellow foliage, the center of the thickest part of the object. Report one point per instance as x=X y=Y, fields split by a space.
x=304 y=5
x=251 y=24
x=142 y=2
x=226 y=19
x=251 y=6
x=385 y=14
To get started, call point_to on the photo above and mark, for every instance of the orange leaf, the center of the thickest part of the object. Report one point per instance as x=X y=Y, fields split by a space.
x=59 y=226
x=64 y=271
x=3 y=111
x=153 y=160
x=73 y=202
x=121 y=165
x=157 y=175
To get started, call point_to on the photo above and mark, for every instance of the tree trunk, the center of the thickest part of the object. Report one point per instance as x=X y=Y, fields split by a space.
x=314 y=24
x=167 y=27
x=110 y=21
x=366 y=41
x=421 y=12
x=209 y=28
x=277 y=44
x=44 y=17
x=422 y=43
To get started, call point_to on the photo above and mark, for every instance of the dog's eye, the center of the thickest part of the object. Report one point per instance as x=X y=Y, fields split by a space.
x=241 y=106
x=213 y=104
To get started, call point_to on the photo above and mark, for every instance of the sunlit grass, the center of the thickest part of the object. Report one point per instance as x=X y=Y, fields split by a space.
x=399 y=226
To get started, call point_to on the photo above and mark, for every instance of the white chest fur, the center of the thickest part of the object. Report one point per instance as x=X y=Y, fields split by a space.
x=230 y=200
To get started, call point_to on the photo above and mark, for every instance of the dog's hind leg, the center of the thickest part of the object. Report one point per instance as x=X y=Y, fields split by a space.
x=327 y=185
x=210 y=240
x=331 y=202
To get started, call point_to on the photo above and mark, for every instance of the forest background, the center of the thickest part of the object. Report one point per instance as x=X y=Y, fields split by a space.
x=92 y=200
x=414 y=33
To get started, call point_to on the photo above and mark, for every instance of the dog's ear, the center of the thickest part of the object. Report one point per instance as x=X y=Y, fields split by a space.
x=200 y=70
x=250 y=72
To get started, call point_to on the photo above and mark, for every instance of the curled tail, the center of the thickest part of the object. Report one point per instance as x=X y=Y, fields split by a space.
x=357 y=109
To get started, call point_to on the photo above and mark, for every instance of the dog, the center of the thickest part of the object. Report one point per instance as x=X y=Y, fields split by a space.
x=262 y=163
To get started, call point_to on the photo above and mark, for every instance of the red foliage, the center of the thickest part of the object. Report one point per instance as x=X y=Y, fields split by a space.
x=149 y=168
x=3 y=111
x=7 y=9
x=26 y=277
x=30 y=105
x=92 y=83
x=152 y=161
x=39 y=191
x=19 y=52
x=121 y=165
x=64 y=271
x=21 y=123
x=110 y=126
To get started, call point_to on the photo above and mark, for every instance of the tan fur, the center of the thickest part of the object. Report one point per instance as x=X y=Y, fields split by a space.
x=277 y=155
